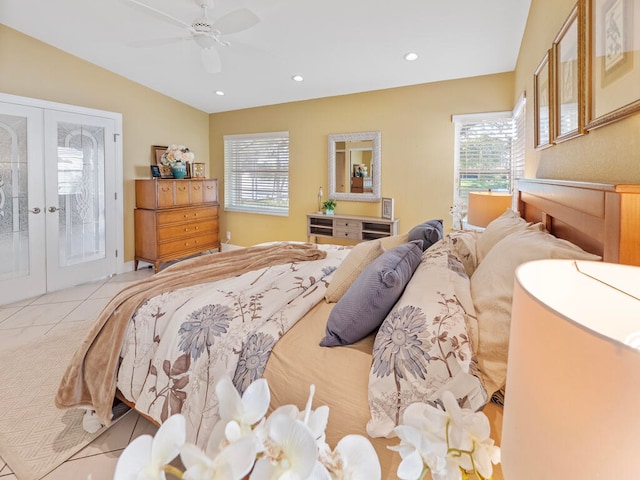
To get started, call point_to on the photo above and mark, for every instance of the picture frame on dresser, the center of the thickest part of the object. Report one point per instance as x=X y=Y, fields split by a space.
x=387 y=208
x=156 y=159
x=155 y=171
x=613 y=72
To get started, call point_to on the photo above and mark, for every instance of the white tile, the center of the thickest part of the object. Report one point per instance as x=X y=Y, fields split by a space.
x=87 y=310
x=32 y=315
x=109 y=290
x=7 y=312
x=69 y=294
x=144 y=427
x=115 y=438
x=99 y=467
x=132 y=276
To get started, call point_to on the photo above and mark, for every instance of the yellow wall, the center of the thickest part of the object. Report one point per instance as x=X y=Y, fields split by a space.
x=608 y=154
x=415 y=121
x=30 y=68
x=417 y=149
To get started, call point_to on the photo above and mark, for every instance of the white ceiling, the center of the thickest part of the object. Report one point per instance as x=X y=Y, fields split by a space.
x=338 y=46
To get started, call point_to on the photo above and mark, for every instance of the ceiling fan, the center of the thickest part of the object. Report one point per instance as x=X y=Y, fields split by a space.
x=204 y=31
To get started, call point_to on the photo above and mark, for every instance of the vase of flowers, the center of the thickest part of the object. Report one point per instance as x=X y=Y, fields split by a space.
x=177 y=157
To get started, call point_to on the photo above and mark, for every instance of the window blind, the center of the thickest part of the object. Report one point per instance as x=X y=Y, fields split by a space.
x=518 y=143
x=483 y=153
x=256 y=173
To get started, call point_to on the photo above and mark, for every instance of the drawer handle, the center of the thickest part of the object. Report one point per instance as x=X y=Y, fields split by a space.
x=197 y=228
x=196 y=187
x=195 y=214
x=186 y=244
x=182 y=188
x=186 y=229
x=209 y=187
x=186 y=216
x=165 y=189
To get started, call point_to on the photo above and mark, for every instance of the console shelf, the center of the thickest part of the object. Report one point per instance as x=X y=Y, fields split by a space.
x=350 y=227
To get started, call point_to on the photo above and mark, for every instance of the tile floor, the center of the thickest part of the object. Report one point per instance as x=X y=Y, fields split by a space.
x=41 y=316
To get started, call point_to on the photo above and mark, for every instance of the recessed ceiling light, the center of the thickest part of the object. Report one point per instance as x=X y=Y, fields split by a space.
x=297 y=78
x=220 y=93
x=411 y=56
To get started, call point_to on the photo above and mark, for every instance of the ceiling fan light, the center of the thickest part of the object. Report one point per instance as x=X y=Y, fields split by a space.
x=411 y=56
x=220 y=93
x=297 y=78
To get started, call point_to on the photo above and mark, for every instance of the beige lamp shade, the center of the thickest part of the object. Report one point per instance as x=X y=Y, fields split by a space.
x=486 y=206
x=572 y=401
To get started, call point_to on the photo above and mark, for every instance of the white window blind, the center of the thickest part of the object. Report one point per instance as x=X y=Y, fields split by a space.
x=489 y=151
x=483 y=146
x=256 y=173
x=518 y=143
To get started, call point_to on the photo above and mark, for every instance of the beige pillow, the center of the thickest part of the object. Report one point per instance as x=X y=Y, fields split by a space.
x=492 y=291
x=391 y=242
x=502 y=226
x=359 y=257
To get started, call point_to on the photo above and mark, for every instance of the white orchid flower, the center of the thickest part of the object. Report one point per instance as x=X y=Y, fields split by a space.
x=290 y=450
x=354 y=458
x=146 y=457
x=238 y=415
x=418 y=447
x=233 y=462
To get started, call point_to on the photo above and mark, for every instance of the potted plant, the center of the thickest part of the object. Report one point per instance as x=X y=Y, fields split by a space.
x=329 y=206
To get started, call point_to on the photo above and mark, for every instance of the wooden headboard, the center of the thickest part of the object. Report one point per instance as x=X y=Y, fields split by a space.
x=600 y=218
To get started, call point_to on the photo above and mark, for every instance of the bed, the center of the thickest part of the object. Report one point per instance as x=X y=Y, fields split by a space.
x=600 y=221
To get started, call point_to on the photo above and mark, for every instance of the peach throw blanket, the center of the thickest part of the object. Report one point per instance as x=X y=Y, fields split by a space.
x=90 y=378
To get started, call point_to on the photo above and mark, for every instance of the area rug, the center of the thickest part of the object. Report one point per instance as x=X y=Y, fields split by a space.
x=35 y=436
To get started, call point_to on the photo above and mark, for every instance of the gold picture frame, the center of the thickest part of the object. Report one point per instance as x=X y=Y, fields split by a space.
x=613 y=73
x=543 y=111
x=568 y=72
x=156 y=159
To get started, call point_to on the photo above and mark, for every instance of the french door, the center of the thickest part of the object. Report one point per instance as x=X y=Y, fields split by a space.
x=59 y=205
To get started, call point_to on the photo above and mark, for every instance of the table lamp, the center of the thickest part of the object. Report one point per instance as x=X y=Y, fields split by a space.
x=572 y=401
x=486 y=206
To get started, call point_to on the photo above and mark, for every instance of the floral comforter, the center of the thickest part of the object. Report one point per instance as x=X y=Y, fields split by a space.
x=180 y=343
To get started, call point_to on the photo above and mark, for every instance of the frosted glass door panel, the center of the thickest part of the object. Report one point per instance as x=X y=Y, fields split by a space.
x=80 y=171
x=81 y=203
x=22 y=246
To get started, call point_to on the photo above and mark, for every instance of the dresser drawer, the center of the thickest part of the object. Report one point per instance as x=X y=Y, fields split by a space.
x=182 y=192
x=346 y=224
x=187 y=229
x=349 y=233
x=186 y=214
x=185 y=245
x=164 y=193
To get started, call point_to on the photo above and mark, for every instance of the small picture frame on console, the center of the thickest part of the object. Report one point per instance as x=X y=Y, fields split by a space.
x=387 y=208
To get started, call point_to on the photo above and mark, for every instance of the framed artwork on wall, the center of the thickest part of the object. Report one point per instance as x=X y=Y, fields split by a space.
x=568 y=73
x=613 y=73
x=542 y=103
x=387 y=208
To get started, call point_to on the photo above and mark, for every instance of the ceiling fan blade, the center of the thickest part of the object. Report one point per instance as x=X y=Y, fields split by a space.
x=158 y=13
x=211 y=60
x=236 y=21
x=157 y=42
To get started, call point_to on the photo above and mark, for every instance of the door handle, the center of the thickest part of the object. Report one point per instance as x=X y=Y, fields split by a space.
x=35 y=210
x=53 y=209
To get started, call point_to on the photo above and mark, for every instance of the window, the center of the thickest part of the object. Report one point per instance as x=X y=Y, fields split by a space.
x=489 y=151
x=256 y=173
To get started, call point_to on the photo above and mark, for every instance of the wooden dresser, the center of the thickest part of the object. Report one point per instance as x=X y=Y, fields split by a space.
x=175 y=219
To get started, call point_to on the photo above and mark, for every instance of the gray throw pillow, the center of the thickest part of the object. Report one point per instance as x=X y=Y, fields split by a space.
x=429 y=232
x=363 y=307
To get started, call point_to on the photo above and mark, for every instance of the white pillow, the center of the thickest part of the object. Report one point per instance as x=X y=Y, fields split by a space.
x=499 y=228
x=492 y=292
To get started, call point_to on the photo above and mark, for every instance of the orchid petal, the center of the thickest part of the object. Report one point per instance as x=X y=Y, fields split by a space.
x=238 y=457
x=320 y=472
x=229 y=401
x=299 y=448
x=411 y=467
x=255 y=401
x=359 y=458
x=169 y=439
x=134 y=458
